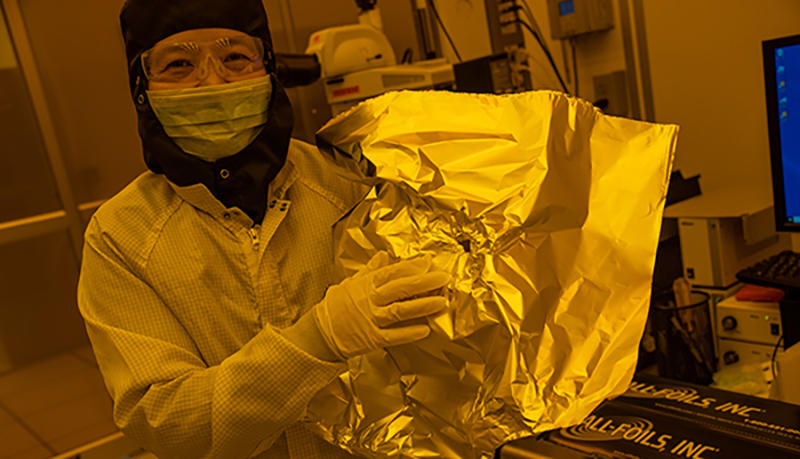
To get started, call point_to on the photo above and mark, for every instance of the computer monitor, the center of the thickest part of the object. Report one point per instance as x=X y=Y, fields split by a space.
x=782 y=82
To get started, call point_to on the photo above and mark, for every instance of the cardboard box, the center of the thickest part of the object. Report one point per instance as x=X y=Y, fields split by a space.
x=663 y=418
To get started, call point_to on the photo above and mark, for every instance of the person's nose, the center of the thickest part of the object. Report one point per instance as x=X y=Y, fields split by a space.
x=211 y=76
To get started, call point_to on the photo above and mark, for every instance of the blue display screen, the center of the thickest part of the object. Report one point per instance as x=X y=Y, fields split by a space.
x=787 y=73
x=567 y=7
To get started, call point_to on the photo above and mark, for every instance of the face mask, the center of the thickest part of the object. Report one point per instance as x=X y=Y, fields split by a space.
x=214 y=122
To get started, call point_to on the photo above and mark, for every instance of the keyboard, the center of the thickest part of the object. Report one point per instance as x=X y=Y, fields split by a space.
x=781 y=271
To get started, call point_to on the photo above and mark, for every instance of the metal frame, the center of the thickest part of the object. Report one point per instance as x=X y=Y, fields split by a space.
x=644 y=60
x=114 y=445
x=30 y=227
x=637 y=60
x=631 y=69
x=39 y=225
x=291 y=40
x=70 y=217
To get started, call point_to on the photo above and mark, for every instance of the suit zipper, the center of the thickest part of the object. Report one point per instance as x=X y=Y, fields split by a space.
x=254 y=239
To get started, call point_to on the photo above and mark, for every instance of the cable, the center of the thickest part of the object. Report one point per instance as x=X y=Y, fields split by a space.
x=525 y=7
x=408 y=56
x=772 y=360
x=527 y=10
x=426 y=40
x=536 y=31
x=366 y=5
x=546 y=52
x=441 y=24
x=531 y=19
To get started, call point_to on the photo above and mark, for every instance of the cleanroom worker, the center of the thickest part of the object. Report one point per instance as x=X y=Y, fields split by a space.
x=206 y=283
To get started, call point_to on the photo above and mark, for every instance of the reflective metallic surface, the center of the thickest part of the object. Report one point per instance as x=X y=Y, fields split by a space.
x=547 y=214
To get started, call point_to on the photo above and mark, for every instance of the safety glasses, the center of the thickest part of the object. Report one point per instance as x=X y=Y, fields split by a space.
x=233 y=59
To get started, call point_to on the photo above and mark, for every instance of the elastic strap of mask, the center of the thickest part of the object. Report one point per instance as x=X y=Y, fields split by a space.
x=140 y=85
x=269 y=56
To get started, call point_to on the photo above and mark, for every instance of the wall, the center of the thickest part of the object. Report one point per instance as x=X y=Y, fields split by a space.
x=596 y=53
x=707 y=76
x=465 y=21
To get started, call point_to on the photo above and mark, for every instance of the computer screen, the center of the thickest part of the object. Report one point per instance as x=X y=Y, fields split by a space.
x=782 y=82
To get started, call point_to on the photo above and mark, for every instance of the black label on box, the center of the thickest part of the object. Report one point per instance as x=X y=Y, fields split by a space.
x=621 y=430
x=763 y=420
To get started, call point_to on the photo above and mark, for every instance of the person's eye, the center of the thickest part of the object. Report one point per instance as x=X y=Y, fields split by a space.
x=177 y=65
x=237 y=58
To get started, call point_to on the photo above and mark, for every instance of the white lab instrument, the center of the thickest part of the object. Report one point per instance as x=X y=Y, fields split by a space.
x=747 y=330
x=358 y=62
x=788 y=372
x=723 y=231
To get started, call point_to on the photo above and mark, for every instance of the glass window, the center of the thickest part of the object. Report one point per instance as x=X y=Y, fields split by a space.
x=27 y=187
x=87 y=92
x=38 y=308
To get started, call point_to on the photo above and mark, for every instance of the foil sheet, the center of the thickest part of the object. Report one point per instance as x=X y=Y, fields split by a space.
x=547 y=214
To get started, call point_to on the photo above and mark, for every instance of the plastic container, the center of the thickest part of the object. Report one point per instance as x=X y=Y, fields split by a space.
x=684 y=339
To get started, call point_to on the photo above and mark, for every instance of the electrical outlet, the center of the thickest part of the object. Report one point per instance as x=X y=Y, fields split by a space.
x=612 y=87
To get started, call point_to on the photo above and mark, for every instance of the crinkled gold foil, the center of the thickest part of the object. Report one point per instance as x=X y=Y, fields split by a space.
x=547 y=214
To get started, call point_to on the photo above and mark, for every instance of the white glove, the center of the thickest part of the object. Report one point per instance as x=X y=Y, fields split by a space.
x=364 y=312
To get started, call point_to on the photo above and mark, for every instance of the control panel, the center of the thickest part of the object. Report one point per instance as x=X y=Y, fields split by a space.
x=569 y=18
x=503 y=19
x=755 y=322
x=733 y=352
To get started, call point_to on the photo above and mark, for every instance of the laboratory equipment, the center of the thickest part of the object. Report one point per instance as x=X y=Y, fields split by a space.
x=495 y=74
x=723 y=231
x=747 y=330
x=358 y=62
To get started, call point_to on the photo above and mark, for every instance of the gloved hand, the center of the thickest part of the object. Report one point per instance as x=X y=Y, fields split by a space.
x=365 y=312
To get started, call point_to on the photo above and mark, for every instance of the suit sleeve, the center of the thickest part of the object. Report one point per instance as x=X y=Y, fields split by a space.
x=164 y=395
